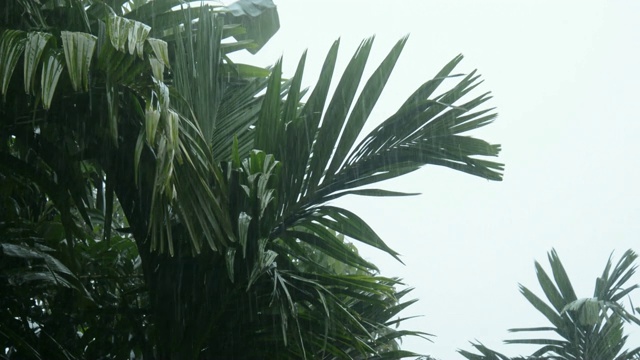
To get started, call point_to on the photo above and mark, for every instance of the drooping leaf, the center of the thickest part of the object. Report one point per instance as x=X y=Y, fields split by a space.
x=12 y=44
x=138 y=34
x=34 y=48
x=151 y=121
x=51 y=70
x=349 y=224
x=118 y=30
x=160 y=50
x=330 y=245
x=78 y=52
x=244 y=220
x=157 y=67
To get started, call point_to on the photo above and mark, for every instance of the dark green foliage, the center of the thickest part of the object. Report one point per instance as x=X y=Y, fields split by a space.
x=160 y=201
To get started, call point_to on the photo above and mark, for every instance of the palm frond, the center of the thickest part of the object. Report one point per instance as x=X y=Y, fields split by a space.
x=316 y=146
x=590 y=328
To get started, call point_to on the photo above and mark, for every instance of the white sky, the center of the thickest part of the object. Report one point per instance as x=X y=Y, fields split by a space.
x=564 y=76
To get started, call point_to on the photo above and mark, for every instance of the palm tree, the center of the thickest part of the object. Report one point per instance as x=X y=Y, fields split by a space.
x=219 y=172
x=99 y=116
x=588 y=328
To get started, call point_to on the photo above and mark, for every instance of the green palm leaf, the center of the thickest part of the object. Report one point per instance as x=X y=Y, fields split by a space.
x=339 y=106
x=590 y=328
x=34 y=48
x=316 y=146
x=12 y=44
x=51 y=70
x=78 y=52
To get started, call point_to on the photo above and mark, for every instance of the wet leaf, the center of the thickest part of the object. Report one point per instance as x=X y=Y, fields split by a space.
x=12 y=45
x=244 y=220
x=157 y=67
x=351 y=225
x=51 y=70
x=78 y=52
x=364 y=105
x=118 y=29
x=336 y=115
x=34 y=48
x=230 y=263
x=151 y=121
x=160 y=50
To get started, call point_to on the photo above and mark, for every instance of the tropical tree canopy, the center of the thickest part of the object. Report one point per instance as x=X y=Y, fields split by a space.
x=161 y=201
x=585 y=328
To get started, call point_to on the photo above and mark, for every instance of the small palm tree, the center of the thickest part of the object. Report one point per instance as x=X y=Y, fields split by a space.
x=588 y=328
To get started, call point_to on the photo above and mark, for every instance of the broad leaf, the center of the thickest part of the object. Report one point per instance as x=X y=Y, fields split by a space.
x=78 y=52
x=12 y=45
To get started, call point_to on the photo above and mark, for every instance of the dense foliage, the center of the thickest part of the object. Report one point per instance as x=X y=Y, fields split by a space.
x=160 y=201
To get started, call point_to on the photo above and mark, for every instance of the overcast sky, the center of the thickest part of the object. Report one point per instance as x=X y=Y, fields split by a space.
x=564 y=76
